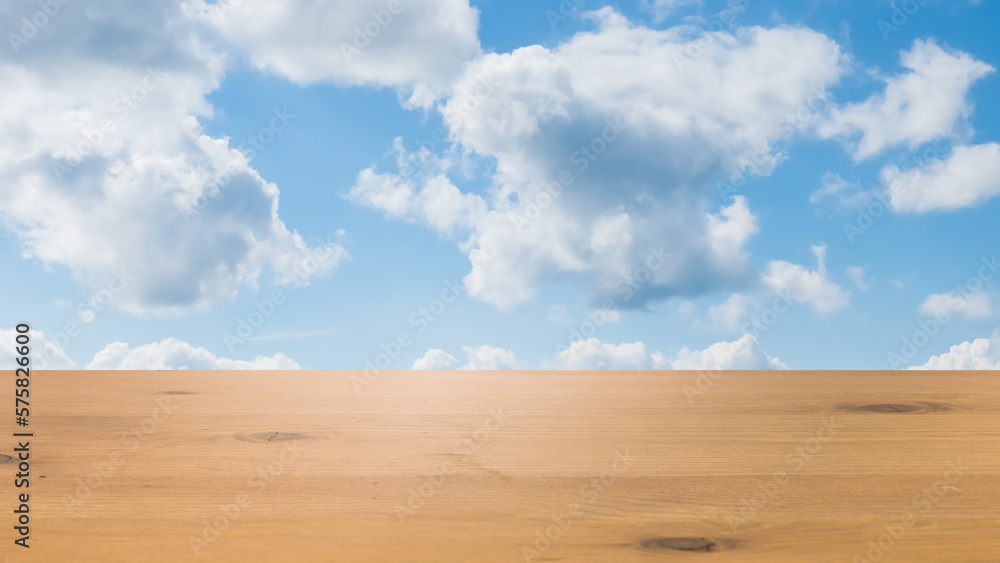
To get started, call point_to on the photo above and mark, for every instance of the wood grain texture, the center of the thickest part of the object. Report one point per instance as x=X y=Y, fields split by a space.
x=469 y=467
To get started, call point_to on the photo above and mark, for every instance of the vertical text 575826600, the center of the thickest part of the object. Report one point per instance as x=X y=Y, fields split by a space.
x=22 y=382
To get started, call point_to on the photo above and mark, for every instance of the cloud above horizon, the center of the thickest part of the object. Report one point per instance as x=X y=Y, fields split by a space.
x=111 y=165
x=744 y=353
x=640 y=164
x=677 y=177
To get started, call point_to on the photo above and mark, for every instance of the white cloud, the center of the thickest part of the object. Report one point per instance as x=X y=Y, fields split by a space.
x=742 y=354
x=808 y=286
x=172 y=354
x=435 y=359
x=397 y=43
x=972 y=305
x=982 y=353
x=430 y=199
x=478 y=358
x=594 y=354
x=968 y=176
x=845 y=194
x=927 y=102
x=729 y=314
x=489 y=358
x=553 y=212
x=149 y=184
x=42 y=353
x=857 y=275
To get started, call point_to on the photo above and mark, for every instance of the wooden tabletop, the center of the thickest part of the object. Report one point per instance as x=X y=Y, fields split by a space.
x=508 y=467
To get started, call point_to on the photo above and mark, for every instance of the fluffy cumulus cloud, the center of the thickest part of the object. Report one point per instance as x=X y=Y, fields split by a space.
x=174 y=354
x=435 y=358
x=982 y=353
x=742 y=354
x=814 y=287
x=43 y=353
x=971 y=305
x=479 y=358
x=489 y=357
x=602 y=160
x=428 y=196
x=414 y=44
x=968 y=176
x=593 y=354
x=105 y=164
x=927 y=101
x=166 y=354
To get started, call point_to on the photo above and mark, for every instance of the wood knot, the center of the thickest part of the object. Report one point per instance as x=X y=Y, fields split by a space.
x=891 y=408
x=919 y=407
x=679 y=544
x=258 y=437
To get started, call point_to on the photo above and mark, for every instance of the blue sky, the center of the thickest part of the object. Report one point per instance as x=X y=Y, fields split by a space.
x=859 y=113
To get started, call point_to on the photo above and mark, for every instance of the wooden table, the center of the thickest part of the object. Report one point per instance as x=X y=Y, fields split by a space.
x=509 y=466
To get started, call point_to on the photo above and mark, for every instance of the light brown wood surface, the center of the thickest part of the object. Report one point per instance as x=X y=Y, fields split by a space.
x=468 y=467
